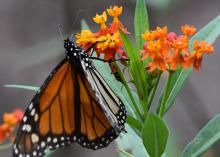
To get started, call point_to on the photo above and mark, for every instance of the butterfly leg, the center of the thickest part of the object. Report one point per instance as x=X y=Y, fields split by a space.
x=93 y=45
x=108 y=61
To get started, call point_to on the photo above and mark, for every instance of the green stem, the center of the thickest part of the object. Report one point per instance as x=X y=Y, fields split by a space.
x=125 y=153
x=5 y=146
x=154 y=90
x=128 y=90
x=153 y=94
x=165 y=94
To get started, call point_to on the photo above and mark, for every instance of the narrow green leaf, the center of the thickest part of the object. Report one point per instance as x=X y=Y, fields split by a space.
x=32 y=88
x=84 y=25
x=141 y=23
x=137 y=70
x=209 y=33
x=173 y=148
x=5 y=146
x=155 y=134
x=131 y=142
x=204 y=139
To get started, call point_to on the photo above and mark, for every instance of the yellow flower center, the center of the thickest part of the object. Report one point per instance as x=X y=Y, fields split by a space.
x=85 y=37
x=108 y=41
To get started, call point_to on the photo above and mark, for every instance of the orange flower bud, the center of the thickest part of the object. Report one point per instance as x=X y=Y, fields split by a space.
x=162 y=32
x=115 y=11
x=188 y=30
x=203 y=47
x=18 y=113
x=171 y=36
x=10 y=119
x=148 y=36
x=101 y=19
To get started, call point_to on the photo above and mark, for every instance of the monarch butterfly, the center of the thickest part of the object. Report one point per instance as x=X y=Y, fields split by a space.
x=74 y=104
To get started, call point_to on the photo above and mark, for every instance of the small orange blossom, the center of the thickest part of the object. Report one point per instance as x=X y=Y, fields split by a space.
x=11 y=121
x=168 y=51
x=108 y=39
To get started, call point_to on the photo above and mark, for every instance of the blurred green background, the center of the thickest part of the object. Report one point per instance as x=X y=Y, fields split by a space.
x=30 y=47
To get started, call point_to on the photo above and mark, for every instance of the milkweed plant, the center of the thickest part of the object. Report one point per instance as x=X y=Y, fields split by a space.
x=155 y=53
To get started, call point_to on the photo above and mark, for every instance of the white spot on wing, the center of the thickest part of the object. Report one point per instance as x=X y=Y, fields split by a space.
x=32 y=112
x=49 y=139
x=28 y=128
x=30 y=106
x=62 y=138
x=34 y=153
x=55 y=140
x=36 y=117
x=24 y=119
x=34 y=138
x=16 y=151
x=43 y=144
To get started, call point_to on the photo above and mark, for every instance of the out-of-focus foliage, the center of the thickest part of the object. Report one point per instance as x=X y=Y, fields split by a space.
x=204 y=139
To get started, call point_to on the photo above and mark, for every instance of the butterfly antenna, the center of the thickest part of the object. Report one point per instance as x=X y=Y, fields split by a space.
x=60 y=31
x=75 y=21
x=76 y=18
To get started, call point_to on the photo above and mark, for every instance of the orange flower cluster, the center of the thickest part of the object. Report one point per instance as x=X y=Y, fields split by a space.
x=170 y=52
x=11 y=120
x=107 y=38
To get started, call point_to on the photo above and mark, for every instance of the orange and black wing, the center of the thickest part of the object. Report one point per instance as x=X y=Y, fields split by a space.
x=66 y=109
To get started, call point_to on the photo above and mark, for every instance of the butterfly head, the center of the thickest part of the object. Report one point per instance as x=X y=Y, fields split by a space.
x=71 y=48
x=69 y=45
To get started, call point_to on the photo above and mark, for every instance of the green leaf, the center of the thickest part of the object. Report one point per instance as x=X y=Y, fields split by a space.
x=155 y=134
x=141 y=23
x=204 y=139
x=84 y=25
x=32 y=88
x=209 y=33
x=134 y=123
x=137 y=70
x=131 y=143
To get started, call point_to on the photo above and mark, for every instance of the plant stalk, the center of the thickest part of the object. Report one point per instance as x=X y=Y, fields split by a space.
x=165 y=94
x=153 y=94
x=128 y=90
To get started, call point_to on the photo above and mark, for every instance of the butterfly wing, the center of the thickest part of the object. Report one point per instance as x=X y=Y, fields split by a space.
x=44 y=120
x=65 y=110
x=110 y=103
